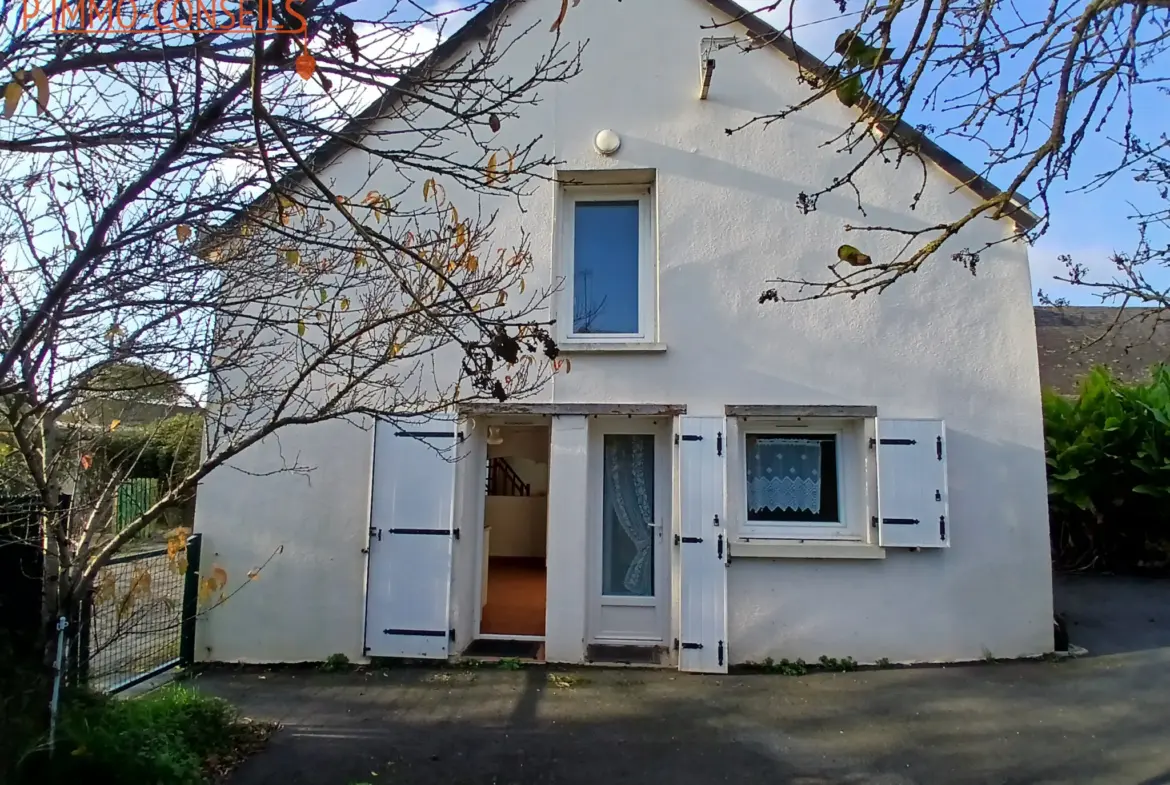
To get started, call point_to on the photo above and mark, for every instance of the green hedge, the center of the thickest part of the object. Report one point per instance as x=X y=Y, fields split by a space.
x=1108 y=452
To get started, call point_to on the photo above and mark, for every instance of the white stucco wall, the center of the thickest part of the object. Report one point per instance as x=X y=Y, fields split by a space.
x=940 y=344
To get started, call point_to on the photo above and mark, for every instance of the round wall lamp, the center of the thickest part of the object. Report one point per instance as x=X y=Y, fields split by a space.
x=607 y=142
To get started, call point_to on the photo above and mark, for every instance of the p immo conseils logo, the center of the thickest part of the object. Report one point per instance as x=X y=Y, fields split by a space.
x=119 y=17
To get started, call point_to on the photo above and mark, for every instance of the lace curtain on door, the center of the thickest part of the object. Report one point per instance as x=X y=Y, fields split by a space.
x=628 y=499
x=784 y=474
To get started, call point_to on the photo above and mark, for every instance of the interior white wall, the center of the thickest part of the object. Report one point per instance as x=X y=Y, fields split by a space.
x=518 y=526
x=940 y=344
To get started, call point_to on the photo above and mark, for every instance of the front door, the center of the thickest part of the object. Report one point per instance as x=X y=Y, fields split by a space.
x=629 y=523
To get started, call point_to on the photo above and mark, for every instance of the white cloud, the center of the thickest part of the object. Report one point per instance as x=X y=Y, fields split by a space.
x=1044 y=259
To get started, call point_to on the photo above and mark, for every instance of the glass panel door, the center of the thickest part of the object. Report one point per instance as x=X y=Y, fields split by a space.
x=627 y=524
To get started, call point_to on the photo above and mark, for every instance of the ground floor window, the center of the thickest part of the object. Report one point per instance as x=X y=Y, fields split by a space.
x=792 y=478
x=801 y=478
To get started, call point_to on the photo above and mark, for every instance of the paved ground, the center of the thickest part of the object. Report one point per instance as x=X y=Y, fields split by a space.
x=1101 y=719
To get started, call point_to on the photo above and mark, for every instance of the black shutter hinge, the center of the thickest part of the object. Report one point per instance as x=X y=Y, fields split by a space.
x=688 y=437
x=873 y=442
x=455 y=533
x=366 y=551
x=719 y=443
x=375 y=532
x=938 y=447
x=687 y=540
x=720 y=653
x=873 y=522
x=942 y=527
x=365 y=649
x=676 y=644
x=720 y=547
x=716 y=520
x=686 y=645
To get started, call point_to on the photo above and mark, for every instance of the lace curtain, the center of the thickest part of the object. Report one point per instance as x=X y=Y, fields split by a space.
x=629 y=503
x=784 y=474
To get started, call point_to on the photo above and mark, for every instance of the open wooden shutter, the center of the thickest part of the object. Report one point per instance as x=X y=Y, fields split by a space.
x=703 y=545
x=912 y=484
x=409 y=580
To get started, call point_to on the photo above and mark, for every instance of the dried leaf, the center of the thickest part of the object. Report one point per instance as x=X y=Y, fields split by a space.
x=428 y=187
x=502 y=297
x=563 y=362
x=395 y=349
x=301 y=327
x=183 y=233
x=492 y=174
x=253 y=574
x=292 y=256
x=372 y=197
x=306 y=65
x=344 y=303
x=460 y=236
x=114 y=425
x=850 y=255
x=494 y=123
x=521 y=286
x=42 y=83
x=323 y=295
x=359 y=260
x=86 y=462
x=12 y=94
x=556 y=25
x=472 y=263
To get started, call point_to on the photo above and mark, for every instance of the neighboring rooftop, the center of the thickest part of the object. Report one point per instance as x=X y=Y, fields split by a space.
x=1074 y=339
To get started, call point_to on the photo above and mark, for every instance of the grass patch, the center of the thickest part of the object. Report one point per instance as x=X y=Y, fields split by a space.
x=800 y=667
x=175 y=736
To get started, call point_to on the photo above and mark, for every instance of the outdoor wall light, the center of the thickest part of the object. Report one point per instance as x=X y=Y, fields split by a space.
x=607 y=142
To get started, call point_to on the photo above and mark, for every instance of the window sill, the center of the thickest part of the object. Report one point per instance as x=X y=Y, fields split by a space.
x=806 y=549
x=603 y=347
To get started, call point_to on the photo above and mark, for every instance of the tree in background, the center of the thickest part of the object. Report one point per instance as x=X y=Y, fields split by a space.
x=126 y=159
x=1025 y=84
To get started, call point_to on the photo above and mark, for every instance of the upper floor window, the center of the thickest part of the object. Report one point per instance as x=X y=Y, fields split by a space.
x=608 y=248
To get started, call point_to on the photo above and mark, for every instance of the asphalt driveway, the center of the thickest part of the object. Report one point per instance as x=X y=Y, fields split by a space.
x=1104 y=718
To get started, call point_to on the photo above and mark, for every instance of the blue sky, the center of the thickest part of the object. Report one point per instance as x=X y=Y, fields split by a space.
x=1089 y=226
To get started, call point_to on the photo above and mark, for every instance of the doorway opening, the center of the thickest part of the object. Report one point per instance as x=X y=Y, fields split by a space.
x=515 y=532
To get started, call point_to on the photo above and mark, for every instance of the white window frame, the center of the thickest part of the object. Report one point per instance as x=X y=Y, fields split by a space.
x=647 y=261
x=855 y=486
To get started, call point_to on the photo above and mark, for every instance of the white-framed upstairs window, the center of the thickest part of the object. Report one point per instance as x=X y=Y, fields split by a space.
x=801 y=480
x=608 y=264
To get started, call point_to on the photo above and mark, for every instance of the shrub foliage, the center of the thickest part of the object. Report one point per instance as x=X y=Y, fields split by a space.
x=1108 y=452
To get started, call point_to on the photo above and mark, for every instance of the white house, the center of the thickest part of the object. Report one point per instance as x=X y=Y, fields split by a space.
x=716 y=481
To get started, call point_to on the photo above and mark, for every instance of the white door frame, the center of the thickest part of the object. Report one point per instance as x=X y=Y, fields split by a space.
x=661 y=428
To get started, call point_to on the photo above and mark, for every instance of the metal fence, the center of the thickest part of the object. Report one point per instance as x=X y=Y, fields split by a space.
x=135 y=497
x=139 y=620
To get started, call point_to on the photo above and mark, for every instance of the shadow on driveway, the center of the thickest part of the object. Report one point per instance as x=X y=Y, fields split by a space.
x=1095 y=720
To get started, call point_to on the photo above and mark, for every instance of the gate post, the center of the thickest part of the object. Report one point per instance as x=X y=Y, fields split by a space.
x=190 y=601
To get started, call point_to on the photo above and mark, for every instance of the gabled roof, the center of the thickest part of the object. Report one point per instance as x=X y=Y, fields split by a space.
x=763 y=32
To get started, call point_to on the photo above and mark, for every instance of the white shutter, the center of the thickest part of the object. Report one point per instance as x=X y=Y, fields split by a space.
x=703 y=545
x=470 y=480
x=912 y=484
x=409 y=580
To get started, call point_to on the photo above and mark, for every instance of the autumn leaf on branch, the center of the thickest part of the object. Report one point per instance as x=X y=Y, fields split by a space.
x=850 y=255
